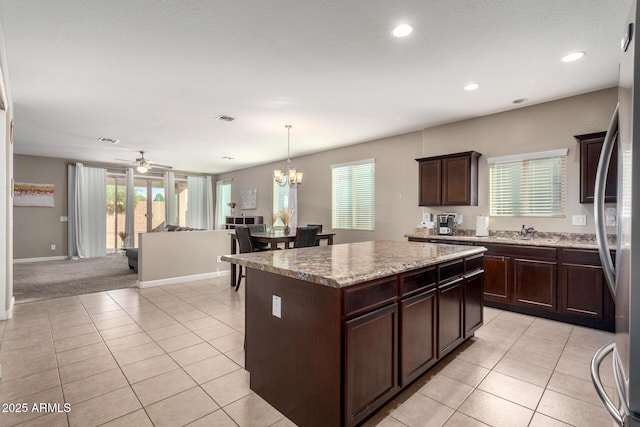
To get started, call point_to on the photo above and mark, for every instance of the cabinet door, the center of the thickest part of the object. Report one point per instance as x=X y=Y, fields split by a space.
x=581 y=288
x=430 y=183
x=590 y=147
x=450 y=316
x=473 y=302
x=456 y=180
x=496 y=278
x=535 y=283
x=370 y=381
x=417 y=335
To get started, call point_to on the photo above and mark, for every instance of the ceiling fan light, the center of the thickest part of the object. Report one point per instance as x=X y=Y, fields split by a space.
x=142 y=169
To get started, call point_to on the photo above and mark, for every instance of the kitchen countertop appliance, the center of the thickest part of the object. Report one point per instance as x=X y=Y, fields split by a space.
x=623 y=279
x=446 y=224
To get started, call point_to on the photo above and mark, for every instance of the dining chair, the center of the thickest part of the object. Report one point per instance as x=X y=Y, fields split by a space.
x=259 y=228
x=305 y=237
x=319 y=227
x=245 y=246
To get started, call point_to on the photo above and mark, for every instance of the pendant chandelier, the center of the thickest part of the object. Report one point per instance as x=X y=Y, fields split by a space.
x=290 y=176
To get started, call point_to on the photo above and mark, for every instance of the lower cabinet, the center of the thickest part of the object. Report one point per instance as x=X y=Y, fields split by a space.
x=418 y=316
x=450 y=315
x=473 y=302
x=582 y=286
x=370 y=381
x=496 y=285
x=535 y=283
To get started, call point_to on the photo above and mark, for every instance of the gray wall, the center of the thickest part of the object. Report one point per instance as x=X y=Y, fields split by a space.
x=36 y=228
x=540 y=127
x=547 y=126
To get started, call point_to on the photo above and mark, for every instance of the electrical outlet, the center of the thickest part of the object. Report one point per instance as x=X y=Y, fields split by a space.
x=458 y=219
x=276 y=307
x=579 y=220
x=53 y=247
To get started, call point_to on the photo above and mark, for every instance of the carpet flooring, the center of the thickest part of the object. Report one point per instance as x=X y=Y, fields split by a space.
x=54 y=279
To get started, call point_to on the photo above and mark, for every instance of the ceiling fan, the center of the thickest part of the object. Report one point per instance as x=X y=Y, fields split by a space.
x=144 y=165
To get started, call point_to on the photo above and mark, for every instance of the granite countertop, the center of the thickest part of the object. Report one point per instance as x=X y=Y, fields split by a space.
x=566 y=240
x=346 y=264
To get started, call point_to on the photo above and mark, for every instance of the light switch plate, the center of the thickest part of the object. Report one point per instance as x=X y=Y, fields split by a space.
x=610 y=217
x=579 y=220
x=276 y=307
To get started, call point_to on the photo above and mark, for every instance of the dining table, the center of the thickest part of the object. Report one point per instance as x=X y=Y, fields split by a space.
x=273 y=239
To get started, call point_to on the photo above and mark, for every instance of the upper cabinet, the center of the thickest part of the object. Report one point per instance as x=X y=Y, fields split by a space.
x=590 y=147
x=449 y=180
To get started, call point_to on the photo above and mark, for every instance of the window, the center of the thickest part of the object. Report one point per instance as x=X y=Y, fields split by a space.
x=280 y=198
x=533 y=184
x=223 y=198
x=353 y=189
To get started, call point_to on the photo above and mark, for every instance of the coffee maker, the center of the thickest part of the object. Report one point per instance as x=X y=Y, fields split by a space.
x=446 y=223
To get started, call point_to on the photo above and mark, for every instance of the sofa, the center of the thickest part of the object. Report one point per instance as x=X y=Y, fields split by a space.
x=132 y=253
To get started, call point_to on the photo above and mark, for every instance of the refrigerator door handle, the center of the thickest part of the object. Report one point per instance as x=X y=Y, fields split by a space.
x=598 y=202
x=597 y=382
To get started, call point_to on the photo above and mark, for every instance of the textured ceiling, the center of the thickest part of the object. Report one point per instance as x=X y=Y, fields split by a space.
x=155 y=74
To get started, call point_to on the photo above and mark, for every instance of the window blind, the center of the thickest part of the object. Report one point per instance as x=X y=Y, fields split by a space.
x=528 y=185
x=353 y=195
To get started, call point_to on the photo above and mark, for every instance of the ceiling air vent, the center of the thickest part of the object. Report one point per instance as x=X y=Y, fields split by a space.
x=225 y=118
x=108 y=140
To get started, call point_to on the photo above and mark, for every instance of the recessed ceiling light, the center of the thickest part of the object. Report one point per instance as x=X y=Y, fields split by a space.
x=471 y=86
x=519 y=100
x=573 y=56
x=225 y=118
x=109 y=140
x=402 y=30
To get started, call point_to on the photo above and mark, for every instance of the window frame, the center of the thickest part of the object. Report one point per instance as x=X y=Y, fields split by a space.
x=521 y=173
x=362 y=209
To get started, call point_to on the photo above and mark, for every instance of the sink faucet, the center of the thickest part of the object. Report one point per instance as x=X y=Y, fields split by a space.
x=526 y=231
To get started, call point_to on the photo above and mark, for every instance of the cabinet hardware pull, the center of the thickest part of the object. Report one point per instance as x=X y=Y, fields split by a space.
x=473 y=274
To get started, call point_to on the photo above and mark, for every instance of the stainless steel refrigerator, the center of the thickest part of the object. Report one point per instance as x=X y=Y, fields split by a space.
x=624 y=278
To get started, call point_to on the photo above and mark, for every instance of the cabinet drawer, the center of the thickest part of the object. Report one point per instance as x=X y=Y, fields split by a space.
x=473 y=263
x=451 y=269
x=529 y=252
x=419 y=280
x=582 y=256
x=369 y=295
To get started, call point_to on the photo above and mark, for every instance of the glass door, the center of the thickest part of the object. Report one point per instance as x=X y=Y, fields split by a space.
x=116 y=212
x=149 y=205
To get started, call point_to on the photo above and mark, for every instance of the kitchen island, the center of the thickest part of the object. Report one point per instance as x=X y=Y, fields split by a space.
x=334 y=332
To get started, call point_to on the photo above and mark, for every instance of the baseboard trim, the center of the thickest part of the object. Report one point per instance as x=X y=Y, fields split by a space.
x=181 y=279
x=40 y=259
x=6 y=315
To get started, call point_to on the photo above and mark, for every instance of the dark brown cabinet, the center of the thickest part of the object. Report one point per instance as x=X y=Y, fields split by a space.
x=448 y=180
x=590 y=147
x=450 y=315
x=232 y=221
x=370 y=381
x=418 y=316
x=583 y=290
x=473 y=302
x=496 y=283
x=535 y=283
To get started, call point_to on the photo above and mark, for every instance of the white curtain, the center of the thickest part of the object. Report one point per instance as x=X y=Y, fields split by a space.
x=169 y=198
x=129 y=222
x=219 y=216
x=87 y=213
x=293 y=205
x=200 y=213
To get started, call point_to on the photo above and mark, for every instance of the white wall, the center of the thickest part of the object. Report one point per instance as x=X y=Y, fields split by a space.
x=178 y=256
x=540 y=127
x=6 y=212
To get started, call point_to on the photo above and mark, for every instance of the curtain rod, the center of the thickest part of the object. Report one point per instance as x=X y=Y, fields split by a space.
x=124 y=168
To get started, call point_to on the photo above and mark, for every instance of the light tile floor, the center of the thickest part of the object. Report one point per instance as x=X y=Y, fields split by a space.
x=173 y=356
